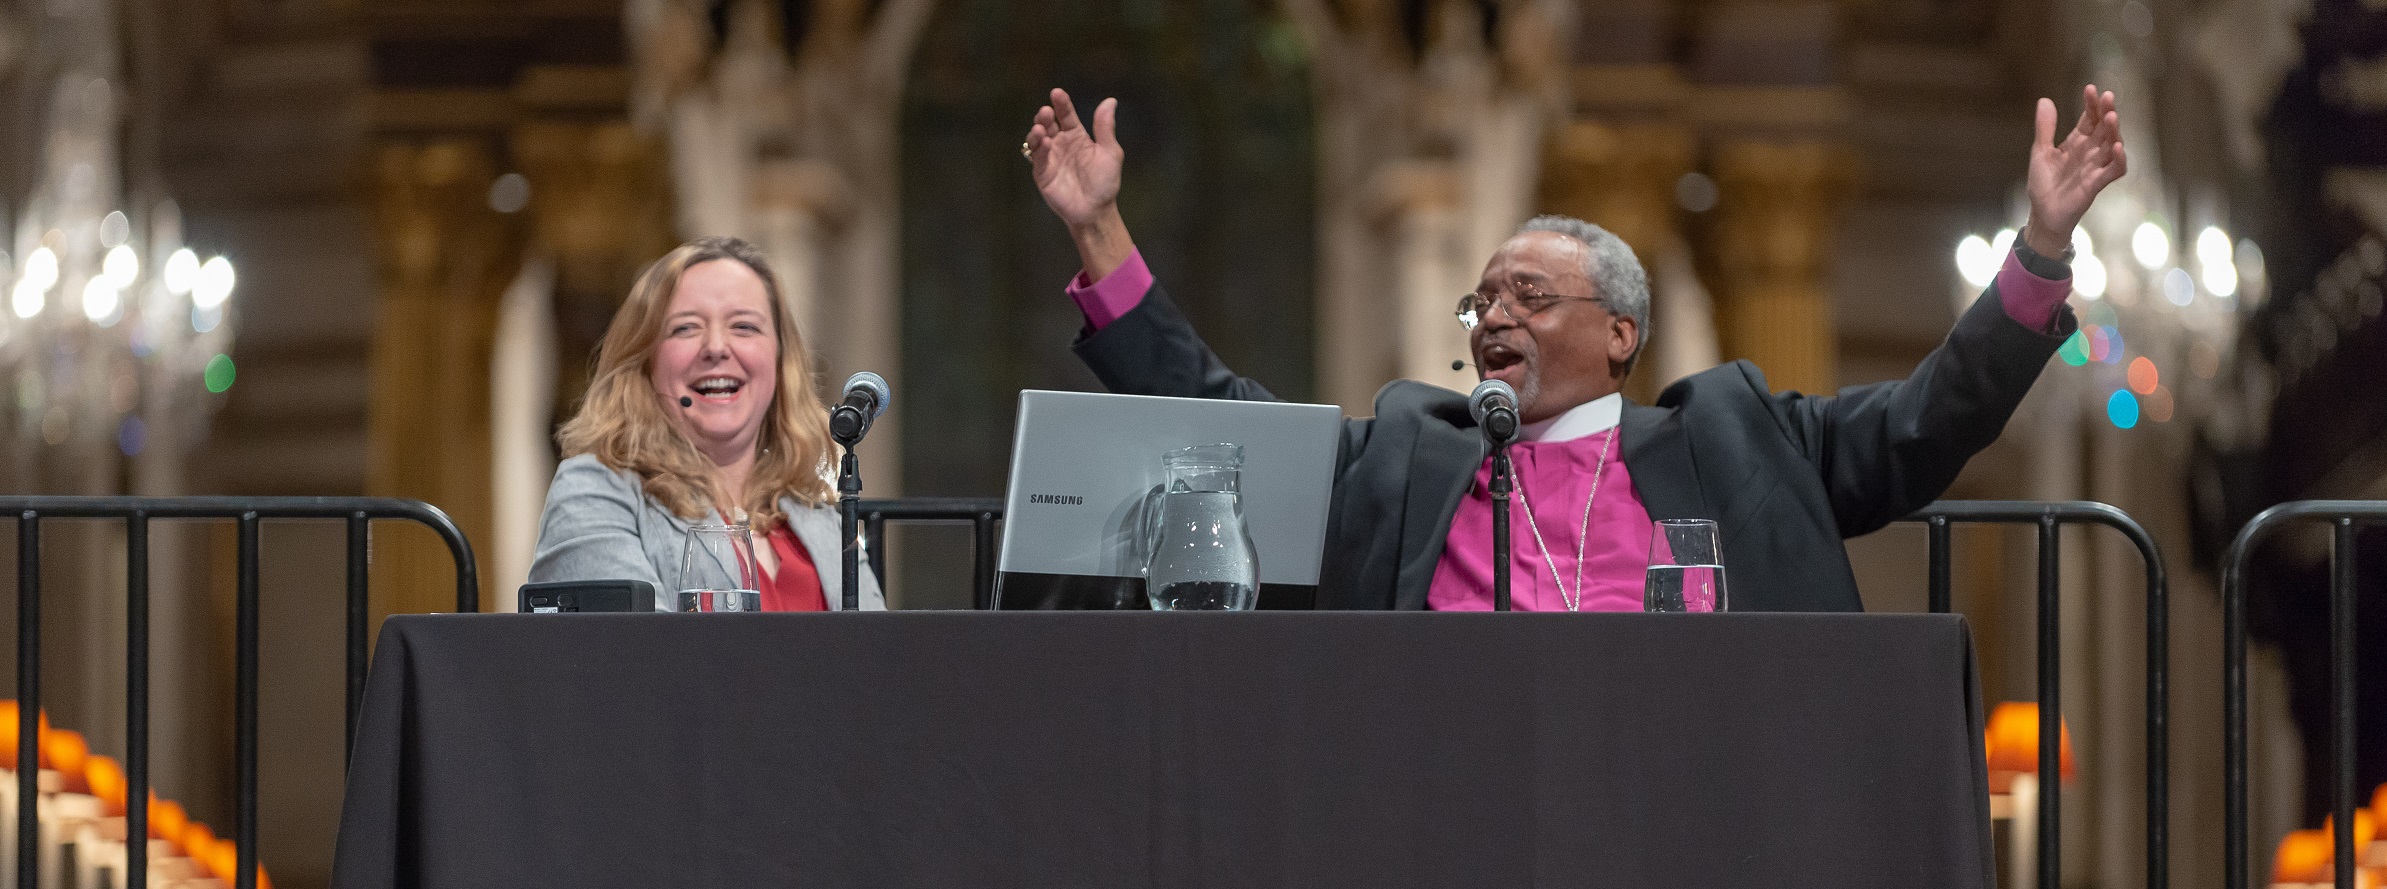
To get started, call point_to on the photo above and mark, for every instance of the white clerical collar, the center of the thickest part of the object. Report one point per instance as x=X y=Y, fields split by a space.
x=1589 y=418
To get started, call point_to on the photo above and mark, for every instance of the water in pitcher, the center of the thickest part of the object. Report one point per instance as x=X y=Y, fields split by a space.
x=1203 y=560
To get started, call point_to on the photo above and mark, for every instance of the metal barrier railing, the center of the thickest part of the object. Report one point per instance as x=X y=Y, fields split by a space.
x=2049 y=516
x=981 y=513
x=2345 y=517
x=136 y=512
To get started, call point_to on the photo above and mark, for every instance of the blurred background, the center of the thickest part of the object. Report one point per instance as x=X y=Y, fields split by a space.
x=339 y=247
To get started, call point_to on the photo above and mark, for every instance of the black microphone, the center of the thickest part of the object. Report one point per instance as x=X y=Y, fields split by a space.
x=1494 y=406
x=1460 y=364
x=866 y=396
x=686 y=402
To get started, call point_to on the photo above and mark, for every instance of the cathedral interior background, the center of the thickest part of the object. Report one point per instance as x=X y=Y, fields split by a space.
x=426 y=211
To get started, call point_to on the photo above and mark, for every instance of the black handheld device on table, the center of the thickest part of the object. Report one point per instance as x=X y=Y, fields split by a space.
x=587 y=595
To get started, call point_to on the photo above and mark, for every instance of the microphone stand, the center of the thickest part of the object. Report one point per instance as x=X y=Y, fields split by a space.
x=1501 y=485
x=849 y=502
x=1499 y=424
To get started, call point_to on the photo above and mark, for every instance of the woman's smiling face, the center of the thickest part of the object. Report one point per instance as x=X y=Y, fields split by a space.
x=720 y=351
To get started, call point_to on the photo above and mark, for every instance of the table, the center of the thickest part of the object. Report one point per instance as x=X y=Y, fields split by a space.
x=1169 y=750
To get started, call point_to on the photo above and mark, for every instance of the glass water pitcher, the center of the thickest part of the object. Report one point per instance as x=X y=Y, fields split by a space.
x=1202 y=558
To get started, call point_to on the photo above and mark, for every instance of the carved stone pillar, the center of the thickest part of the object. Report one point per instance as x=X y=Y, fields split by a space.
x=1774 y=224
x=444 y=258
x=1418 y=208
x=1621 y=176
x=600 y=208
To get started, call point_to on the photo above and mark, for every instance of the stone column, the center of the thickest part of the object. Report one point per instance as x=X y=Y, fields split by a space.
x=599 y=206
x=1775 y=219
x=1418 y=207
x=1621 y=176
x=444 y=259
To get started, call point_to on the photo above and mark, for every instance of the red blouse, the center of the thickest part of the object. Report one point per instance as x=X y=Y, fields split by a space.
x=797 y=586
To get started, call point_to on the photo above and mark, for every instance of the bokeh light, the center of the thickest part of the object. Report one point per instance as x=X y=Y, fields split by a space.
x=41 y=269
x=2221 y=280
x=2088 y=276
x=1696 y=192
x=2075 y=350
x=2213 y=246
x=131 y=436
x=2158 y=405
x=101 y=301
x=2253 y=275
x=2150 y=245
x=114 y=230
x=204 y=319
x=2122 y=409
x=214 y=284
x=1976 y=261
x=2213 y=258
x=26 y=299
x=2001 y=245
x=2143 y=375
x=510 y=193
x=2100 y=342
x=2178 y=287
x=219 y=373
x=2204 y=359
x=2113 y=346
x=121 y=266
x=182 y=271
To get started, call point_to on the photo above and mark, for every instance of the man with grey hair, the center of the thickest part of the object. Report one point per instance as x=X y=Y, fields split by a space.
x=1560 y=314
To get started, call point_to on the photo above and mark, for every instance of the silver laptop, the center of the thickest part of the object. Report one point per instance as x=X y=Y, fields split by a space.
x=1082 y=464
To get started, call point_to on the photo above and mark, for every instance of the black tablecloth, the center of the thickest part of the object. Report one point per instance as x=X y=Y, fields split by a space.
x=1169 y=750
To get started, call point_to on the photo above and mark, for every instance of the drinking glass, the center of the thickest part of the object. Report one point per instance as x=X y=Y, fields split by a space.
x=1686 y=568
x=1202 y=558
x=717 y=570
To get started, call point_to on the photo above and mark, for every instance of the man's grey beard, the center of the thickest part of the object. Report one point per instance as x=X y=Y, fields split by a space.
x=1529 y=390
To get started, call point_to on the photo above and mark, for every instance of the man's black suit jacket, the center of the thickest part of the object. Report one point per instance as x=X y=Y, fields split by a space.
x=1786 y=476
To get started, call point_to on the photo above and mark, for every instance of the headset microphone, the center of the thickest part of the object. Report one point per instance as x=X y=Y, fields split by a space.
x=685 y=401
x=1460 y=364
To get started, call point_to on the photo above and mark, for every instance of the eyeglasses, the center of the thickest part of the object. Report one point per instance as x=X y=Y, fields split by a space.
x=1524 y=301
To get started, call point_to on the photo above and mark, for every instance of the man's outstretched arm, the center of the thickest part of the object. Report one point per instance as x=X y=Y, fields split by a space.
x=1887 y=449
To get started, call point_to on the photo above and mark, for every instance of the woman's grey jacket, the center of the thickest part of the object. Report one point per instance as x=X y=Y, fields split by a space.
x=600 y=525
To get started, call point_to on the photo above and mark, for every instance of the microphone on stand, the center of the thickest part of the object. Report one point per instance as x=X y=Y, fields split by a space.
x=1494 y=406
x=866 y=396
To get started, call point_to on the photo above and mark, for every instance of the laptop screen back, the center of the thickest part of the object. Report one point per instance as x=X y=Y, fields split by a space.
x=1083 y=464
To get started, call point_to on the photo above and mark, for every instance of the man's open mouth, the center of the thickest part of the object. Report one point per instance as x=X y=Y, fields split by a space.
x=1497 y=357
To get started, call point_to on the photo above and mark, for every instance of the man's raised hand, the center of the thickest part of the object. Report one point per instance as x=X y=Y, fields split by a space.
x=1077 y=171
x=2066 y=176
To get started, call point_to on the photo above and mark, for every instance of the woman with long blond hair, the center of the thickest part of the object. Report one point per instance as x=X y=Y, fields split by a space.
x=702 y=407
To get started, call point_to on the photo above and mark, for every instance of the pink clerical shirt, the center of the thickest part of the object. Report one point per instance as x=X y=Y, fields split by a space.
x=1556 y=461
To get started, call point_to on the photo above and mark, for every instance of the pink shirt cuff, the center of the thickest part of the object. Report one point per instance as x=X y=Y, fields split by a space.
x=2029 y=299
x=1115 y=295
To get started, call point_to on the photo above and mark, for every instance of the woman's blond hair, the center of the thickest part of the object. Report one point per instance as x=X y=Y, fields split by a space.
x=625 y=423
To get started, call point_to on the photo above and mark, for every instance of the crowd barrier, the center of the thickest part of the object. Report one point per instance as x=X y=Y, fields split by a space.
x=136 y=513
x=981 y=513
x=2049 y=517
x=2345 y=518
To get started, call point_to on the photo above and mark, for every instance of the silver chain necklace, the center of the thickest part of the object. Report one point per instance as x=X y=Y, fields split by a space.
x=1574 y=602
